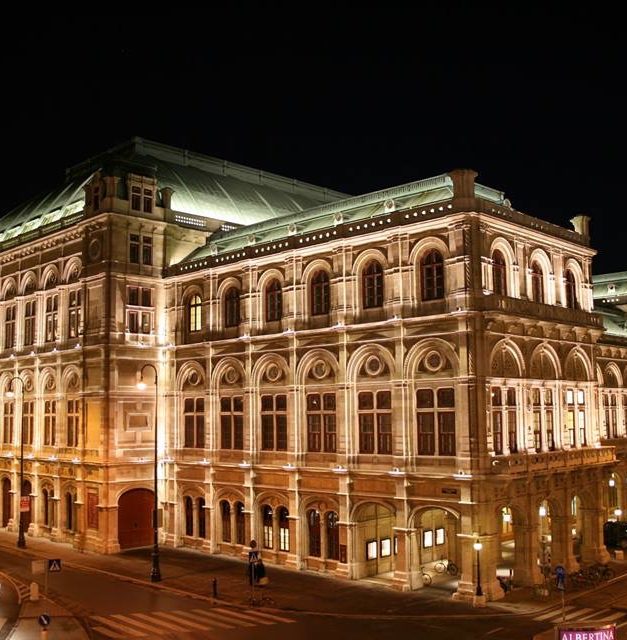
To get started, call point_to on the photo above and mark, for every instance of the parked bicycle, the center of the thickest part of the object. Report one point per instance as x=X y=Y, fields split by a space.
x=446 y=566
x=600 y=572
x=426 y=577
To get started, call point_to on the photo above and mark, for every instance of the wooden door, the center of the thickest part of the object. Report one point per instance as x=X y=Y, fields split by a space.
x=135 y=518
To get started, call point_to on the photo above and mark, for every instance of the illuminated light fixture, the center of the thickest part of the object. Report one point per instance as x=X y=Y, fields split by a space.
x=573 y=532
x=462 y=475
x=141 y=385
x=52 y=458
x=507 y=517
x=542 y=511
x=30 y=456
x=618 y=513
x=244 y=464
x=204 y=461
x=289 y=467
x=611 y=482
x=339 y=469
x=395 y=471
x=75 y=461
x=477 y=546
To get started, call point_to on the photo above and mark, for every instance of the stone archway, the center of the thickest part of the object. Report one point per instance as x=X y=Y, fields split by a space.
x=6 y=501
x=373 y=541
x=135 y=518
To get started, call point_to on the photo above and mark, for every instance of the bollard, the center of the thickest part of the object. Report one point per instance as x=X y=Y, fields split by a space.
x=215 y=587
x=34 y=592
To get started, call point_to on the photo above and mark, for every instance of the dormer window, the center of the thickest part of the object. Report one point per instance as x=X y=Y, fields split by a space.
x=142 y=199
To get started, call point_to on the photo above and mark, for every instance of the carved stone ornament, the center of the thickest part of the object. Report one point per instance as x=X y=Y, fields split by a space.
x=50 y=383
x=193 y=378
x=94 y=249
x=273 y=373
x=231 y=375
x=320 y=370
x=434 y=361
x=373 y=366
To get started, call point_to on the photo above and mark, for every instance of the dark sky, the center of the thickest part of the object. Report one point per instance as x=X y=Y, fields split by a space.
x=353 y=96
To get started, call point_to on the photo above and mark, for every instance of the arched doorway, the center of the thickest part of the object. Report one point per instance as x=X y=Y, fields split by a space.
x=6 y=501
x=435 y=548
x=375 y=546
x=135 y=518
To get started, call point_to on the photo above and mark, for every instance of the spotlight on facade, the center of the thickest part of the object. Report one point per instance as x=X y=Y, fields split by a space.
x=507 y=517
x=611 y=482
x=542 y=511
x=618 y=513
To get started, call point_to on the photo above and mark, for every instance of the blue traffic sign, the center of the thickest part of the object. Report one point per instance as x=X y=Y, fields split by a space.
x=560 y=571
x=44 y=619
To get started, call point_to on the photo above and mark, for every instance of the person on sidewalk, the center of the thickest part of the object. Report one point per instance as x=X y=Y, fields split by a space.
x=254 y=559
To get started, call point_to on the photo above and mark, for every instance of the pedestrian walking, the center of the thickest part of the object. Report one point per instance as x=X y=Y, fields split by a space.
x=254 y=558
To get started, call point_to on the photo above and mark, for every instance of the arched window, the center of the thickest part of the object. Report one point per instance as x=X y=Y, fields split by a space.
x=240 y=523
x=320 y=293
x=432 y=275
x=499 y=273
x=46 y=507
x=313 y=523
x=225 y=512
x=274 y=301
x=189 y=516
x=266 y=516
x=537 y=283
x=333 y=535
x=194 y=310
x=284 y=529
x=372 y=285
x=571 y=290
x=231 y=308
x=202 y=529
x=69 y=511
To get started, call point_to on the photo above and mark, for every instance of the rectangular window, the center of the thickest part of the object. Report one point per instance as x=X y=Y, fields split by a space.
x=74 y=313
x=147 y=203
x=133 y=254
x=284 y=538
x=497 y=430
x=72 y=418
x=375 y=422
x=232 y=422
x=427 y=538
x=436 y=409
x=321 y=431
x=52 y=318
x=50 y=423
x=7 y=420
x=386 y=547
x=29 y=323
x=537 y=431
x=140 y=247
x=371 y=549
x=9 y=327
x=439 y=536
x=140 y=312
x=194 y=420
x=28 y=419
x=274 y=423
x=136 y=196
x=146 y=250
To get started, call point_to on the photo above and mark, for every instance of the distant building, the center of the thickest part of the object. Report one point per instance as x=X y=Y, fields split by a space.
x=365 y=385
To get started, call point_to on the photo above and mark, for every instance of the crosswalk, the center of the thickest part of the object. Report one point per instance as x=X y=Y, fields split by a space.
x=573 y=613
x=155 y=623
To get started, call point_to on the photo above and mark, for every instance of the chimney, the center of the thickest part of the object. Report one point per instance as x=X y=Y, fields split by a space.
x=166 y=197
x=581 y=224
x=463 y=189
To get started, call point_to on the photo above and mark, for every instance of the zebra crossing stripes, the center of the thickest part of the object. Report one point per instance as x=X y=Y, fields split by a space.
x=572 y=613
x=155 y=623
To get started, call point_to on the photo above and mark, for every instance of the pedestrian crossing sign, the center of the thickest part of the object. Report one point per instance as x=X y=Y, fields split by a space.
x=54 y=565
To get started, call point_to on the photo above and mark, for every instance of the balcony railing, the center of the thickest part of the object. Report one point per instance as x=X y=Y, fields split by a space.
x=528 y=463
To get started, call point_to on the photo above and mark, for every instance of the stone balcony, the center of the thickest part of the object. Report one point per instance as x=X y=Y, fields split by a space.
x=533 y=463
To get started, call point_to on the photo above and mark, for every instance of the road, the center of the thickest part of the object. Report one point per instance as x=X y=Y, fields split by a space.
x=114 y=607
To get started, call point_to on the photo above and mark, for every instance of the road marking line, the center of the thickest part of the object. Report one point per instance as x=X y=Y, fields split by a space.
x=244 y=616
x=273 y=617
x=106 y=632
x=118 y=627
x=129 y=620
x=211 y=617
x=177 y=618
x=489 y=633
x=553 y=612
x=616 y=616
x=155 y=620
x=210 y=624
x=579 y=612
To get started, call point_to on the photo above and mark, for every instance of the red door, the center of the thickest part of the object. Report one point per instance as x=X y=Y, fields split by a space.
x=134 y=518
x=6 y=502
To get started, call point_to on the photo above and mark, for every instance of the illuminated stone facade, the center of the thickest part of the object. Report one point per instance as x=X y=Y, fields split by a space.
x=363 y=384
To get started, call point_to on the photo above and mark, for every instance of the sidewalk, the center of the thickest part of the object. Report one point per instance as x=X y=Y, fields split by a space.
x=194 y=573
x=63 y=625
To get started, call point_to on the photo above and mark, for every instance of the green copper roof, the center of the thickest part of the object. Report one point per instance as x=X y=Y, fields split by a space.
x=202 y=186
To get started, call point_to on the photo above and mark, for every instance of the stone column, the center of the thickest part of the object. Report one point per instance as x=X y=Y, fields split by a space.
x=468 y=580
x=526 y=571
x=592 y=547
x=402 y=568
x=562 y=544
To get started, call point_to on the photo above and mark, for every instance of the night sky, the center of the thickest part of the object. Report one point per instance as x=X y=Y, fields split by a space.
x=353 y=96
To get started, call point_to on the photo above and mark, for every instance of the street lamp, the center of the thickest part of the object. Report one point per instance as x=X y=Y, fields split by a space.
x=477 y=546
x=21 y=540
x=155 y=571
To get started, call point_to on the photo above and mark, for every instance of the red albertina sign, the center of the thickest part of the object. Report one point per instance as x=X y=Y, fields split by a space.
x=606 y=632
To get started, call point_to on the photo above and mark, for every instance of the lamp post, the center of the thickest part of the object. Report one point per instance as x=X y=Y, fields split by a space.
x=155 y=571
x=21 y=540
x=477 y=547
